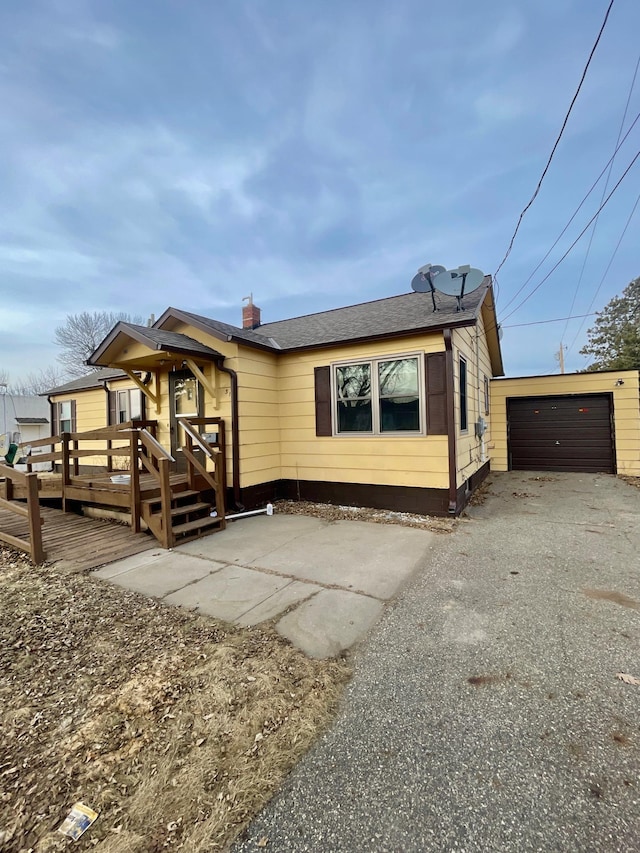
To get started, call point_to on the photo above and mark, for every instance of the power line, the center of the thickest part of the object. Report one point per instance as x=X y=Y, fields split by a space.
x=574 y=214
x=614 y=253
x=542 y=322
x=580 y=235
x=604 y=190
x=557 y=142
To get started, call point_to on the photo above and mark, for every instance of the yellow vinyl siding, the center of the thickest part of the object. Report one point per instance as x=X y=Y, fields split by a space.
x=399 y=460
x=469 y=455
x=259 y=416
x=626 y=409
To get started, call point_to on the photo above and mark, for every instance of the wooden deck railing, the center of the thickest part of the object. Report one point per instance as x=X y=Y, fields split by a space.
x=109 y=434
x=30 y=511
x=133 y=450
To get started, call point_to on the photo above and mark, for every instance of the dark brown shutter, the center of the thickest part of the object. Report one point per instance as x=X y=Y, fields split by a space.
x=113 y=412
x=436 y=381
x=74 y=425
x=55 y=419
x=323 y=400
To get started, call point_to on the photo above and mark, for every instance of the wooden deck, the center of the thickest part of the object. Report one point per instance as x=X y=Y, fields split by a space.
x=80 y=543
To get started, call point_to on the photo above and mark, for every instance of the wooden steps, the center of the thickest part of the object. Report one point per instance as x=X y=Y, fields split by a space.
x=189 y=515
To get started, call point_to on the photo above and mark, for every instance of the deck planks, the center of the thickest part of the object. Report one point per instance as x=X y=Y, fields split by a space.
x=77 y=542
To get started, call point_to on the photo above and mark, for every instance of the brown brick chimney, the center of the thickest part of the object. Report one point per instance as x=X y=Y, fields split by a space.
x=250 y=314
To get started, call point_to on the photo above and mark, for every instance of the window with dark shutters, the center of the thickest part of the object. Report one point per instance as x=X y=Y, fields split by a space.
x=322 y=376
x=436 y=388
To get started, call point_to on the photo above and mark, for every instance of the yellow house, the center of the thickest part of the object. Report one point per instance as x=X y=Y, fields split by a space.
x=105 y=397
x=382 y=404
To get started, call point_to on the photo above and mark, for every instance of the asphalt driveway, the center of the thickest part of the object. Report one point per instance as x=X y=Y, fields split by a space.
x=485 y=713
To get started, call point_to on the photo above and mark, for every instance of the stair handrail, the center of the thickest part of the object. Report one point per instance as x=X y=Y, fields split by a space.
x=214 y=479
x=187 y=426
x=163 y=459
x=151 y=441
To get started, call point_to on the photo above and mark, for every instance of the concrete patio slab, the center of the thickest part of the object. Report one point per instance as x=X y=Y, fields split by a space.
x=330 y=622
x=144 y=558
x=164 y=575
x=372 y=558
x=248 y=540
x=332 y=577
x=234 y=591
x=275 y=605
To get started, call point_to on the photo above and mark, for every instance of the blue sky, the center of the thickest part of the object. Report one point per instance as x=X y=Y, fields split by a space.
x=315 y=154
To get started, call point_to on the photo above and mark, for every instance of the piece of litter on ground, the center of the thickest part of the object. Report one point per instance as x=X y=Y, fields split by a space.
x=262 y=842
x=77 y=821
x=628 y=679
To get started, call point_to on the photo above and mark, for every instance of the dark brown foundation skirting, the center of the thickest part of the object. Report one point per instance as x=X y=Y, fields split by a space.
x=398 y=498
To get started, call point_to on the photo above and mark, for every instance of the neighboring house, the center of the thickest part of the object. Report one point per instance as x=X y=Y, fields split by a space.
x=383 y=404
x=23 y=419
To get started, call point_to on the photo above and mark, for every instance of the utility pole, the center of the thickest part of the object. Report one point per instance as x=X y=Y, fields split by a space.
x=560 y=357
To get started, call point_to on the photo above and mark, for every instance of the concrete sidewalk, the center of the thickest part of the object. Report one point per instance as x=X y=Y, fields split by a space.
x=485 y=714
x=324 y=583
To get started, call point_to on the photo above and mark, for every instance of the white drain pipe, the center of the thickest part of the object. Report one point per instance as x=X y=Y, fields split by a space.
x=268 y=510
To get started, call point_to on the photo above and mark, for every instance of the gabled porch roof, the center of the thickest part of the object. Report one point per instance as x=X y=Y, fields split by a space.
x=128 y=345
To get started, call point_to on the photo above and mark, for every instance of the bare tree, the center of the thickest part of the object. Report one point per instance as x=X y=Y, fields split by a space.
x=38 y=382
x=81 y=334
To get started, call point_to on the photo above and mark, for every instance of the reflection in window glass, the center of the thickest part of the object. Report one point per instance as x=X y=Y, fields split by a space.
x=464 y=415
x=353 y=387
x=399 y=398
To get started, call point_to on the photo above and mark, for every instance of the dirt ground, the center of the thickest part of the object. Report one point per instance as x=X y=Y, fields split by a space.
x=174 y=727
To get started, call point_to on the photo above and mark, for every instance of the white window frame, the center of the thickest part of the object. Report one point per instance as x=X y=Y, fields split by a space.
x=126 y=392
x=376 y=432
x=62 y=418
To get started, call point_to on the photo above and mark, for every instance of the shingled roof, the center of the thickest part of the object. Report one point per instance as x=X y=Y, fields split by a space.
x=395 y=315
x=173 y=341
x=90 y=380
x=155 y=339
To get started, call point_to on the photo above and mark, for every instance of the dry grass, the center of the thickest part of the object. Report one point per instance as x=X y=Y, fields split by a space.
x=329 y=512
x=632 y=481
x=175 y=727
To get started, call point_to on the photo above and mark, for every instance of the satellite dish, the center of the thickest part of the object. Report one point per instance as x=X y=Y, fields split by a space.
x=425 y=279
x=459 y=282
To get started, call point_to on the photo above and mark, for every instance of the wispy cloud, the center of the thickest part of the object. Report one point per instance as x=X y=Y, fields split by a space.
x=315 y=155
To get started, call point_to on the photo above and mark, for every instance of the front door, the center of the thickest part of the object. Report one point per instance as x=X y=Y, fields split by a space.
x=186 y=401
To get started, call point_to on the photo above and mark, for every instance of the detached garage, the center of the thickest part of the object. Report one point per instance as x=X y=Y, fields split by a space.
x=585 y=422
